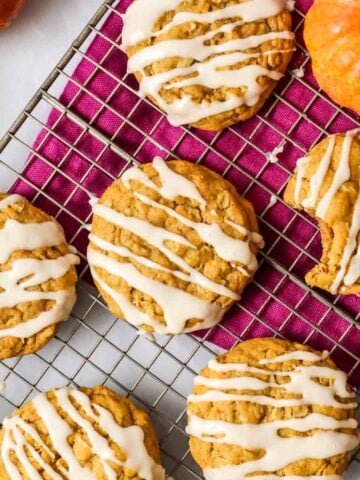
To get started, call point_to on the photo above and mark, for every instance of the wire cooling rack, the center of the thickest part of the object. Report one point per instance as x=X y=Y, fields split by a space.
x=93 y=347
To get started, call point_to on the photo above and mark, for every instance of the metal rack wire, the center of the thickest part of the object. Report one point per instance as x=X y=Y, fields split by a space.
x=93 y=347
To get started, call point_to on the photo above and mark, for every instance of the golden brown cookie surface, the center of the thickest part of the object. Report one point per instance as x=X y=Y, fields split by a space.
x=172 y=246
x=37 y=277
x=87 y=434
x=271 y=406
x=327 y=186
x=208 y=63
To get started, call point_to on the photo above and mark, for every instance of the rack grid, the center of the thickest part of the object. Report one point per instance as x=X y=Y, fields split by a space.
x=93 y=347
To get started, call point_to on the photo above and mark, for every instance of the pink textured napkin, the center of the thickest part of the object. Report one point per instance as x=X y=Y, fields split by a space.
x=273 y=302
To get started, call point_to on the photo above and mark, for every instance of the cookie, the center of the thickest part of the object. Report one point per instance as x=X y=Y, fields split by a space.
x=172 y=246
x=271 y=409
x=37 y=277
x=327 y=186
x=208 y=63
x=85 y=434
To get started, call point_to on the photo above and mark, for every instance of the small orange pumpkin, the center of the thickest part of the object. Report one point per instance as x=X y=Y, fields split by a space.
x=332 y=36
x=9 y=10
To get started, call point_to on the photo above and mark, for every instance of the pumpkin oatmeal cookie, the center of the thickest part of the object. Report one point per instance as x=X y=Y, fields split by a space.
x=271 y=409
x=87 y=434
x=37 y=277
x=172 y=246
x=327 y=186
x=208 y=63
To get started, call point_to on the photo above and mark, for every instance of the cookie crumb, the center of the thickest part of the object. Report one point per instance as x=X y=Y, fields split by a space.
x=93 y=200
x=273 y=156
x=273 y=201
x=299 y=72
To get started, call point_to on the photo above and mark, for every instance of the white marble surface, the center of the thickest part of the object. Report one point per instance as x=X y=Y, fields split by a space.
x=33 y=45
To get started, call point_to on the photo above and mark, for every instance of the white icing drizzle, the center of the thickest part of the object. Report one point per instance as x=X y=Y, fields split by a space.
x=172 y=184
x=17 y=427
x=342 y=175
x=136 y=27
x=228 y=248
x=31 y=236
x=209 y=76
x=139 y=27
x=273 y=156
x=299 y=72
x=93 y=201
x=193 y=276
x=302 y=355
x=279 y=451
x=139 y=227
x=353 y=273
x=28 y=236
x=15 y=293
x=132 y=314
x=352 y=246
x=349 y=270
x=248 y=11
x=10 y=200
x=317 y=179
x=254 y=236
x=300 y=383
x=301 y=166
x=273 y=201
x=178 y=306
x=129 y=439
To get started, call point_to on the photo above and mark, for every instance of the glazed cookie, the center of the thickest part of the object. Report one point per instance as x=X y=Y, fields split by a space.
x=327 y=186
x=37 y=277
x=272 y=409
x=208 y=63
x=172 y=246
x=85 y=434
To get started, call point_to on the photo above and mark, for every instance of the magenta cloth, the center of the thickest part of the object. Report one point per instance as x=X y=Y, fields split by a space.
x=273 y=303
